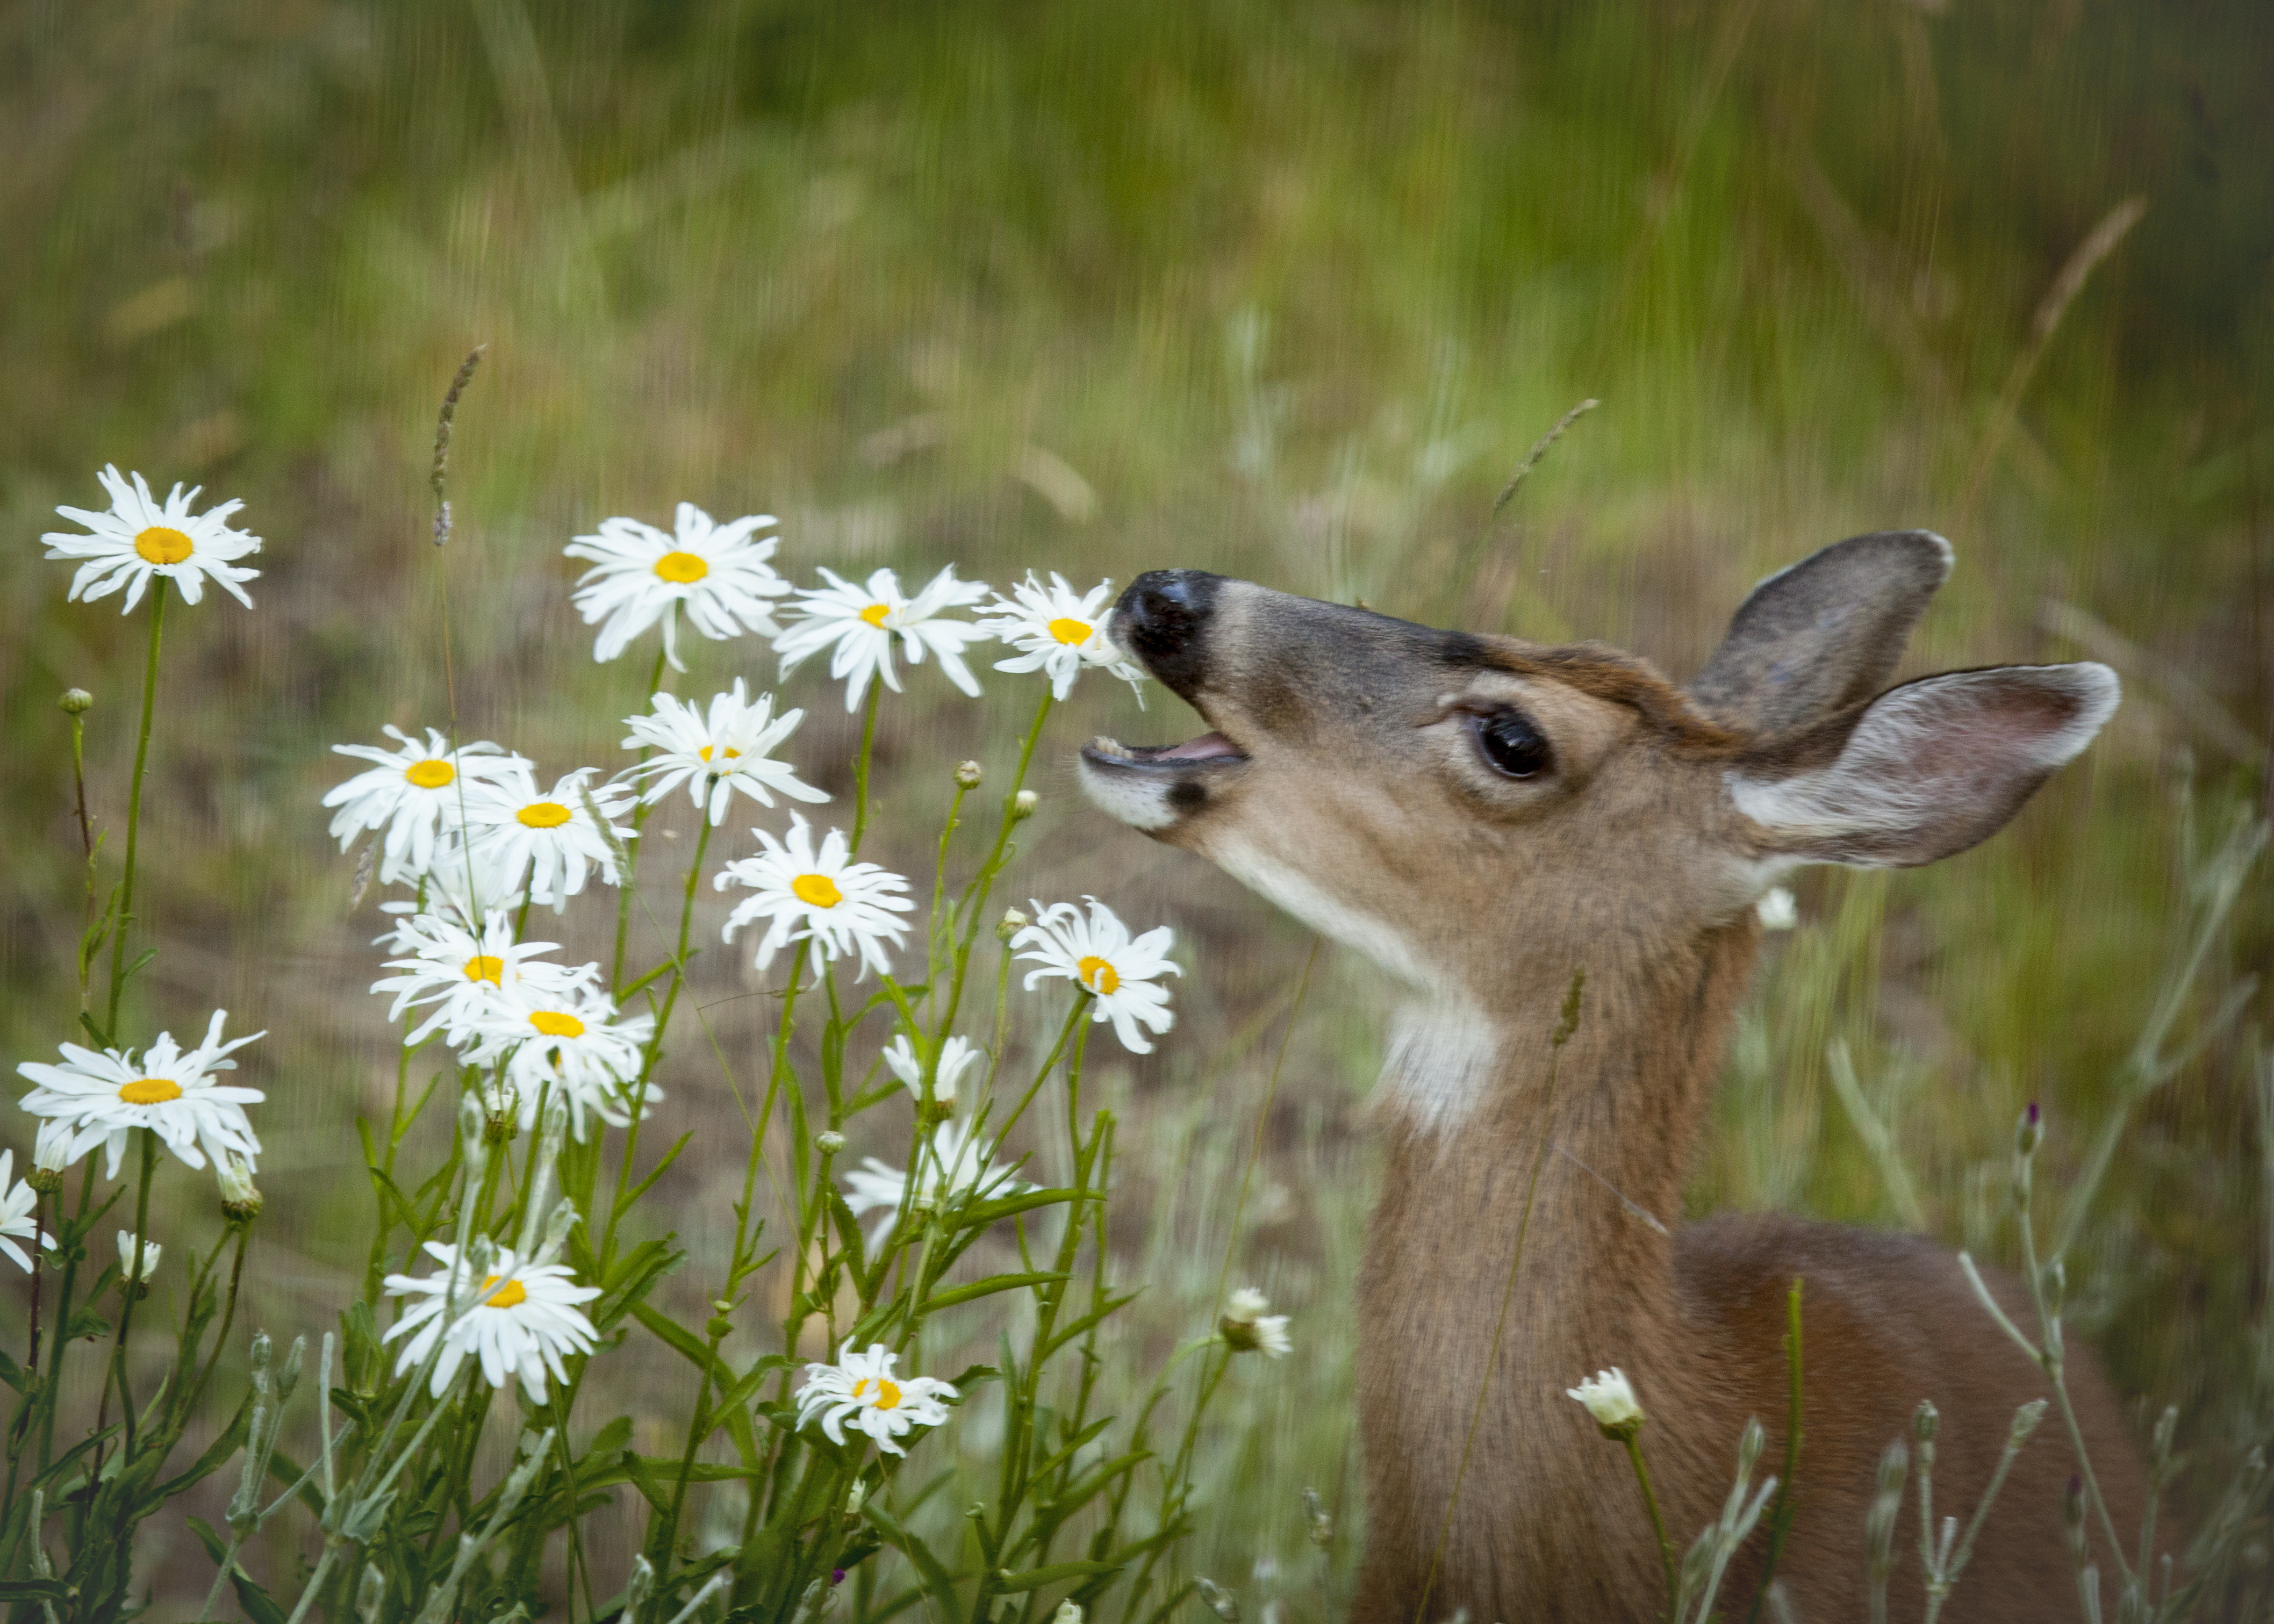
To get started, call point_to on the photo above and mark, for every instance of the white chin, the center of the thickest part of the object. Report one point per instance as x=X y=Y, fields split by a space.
x=1141 y=802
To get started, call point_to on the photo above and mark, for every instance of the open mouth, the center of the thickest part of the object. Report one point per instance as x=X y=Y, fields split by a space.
x=1210 y=752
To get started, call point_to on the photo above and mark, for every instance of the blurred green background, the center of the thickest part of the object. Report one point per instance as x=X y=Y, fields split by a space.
x=1284 y=290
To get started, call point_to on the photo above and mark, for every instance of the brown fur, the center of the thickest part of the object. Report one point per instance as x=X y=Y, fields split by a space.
x=1364 y=806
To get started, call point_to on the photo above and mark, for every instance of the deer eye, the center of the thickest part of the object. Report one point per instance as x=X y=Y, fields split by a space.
x=1512 y=745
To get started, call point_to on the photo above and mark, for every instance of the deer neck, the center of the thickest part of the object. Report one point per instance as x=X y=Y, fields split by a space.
x=1609 y=1121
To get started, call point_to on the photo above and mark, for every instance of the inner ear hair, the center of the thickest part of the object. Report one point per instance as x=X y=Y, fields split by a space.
x=1924 y=770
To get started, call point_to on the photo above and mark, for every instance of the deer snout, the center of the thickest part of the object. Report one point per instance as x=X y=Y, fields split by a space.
x=1161 y=619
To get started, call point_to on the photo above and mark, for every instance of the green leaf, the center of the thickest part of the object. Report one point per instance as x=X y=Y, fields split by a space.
x=936 y=1583
x=233 y=1437
x=258 y=1605
x=689 y=1346
x=1034 y=1578
x=988 y=1286
x=985 y=1213
x=611 y=1438
x=141 y=962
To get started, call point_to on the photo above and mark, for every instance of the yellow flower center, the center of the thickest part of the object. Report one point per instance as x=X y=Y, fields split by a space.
x=875 y=615
x=433 y=773
x=706 y=752
x=1099 y=976
x=485 y=967
x=681 y=568
x=1070 y=631
x=162 y=544
x=542 y=815
x=150 y=1091
x=556 y=1022
x=818 y=890
x=888 y=1391
x=513 y=1294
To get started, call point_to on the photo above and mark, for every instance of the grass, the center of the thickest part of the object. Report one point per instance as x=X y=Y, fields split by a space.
x=1279 y=291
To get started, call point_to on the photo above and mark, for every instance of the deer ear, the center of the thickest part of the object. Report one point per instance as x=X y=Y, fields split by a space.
x=1929 y=768
x=1823 y=635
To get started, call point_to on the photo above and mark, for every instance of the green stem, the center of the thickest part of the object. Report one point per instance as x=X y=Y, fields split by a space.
x=654 y=1057
x=134 y=811
x=1633 y=1441
x=631 y=853
x=1781 y=1514
x=860 y=765
x=134 y=1285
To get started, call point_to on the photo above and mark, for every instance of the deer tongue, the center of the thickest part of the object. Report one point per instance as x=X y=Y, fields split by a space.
x=1207 y=747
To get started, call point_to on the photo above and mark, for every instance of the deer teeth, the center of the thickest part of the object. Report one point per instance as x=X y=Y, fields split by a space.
x=1114 y=748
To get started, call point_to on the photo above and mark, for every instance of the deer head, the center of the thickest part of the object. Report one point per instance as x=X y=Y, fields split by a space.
x=1478 y=813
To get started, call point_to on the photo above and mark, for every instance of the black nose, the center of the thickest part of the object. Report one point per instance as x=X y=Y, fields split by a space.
x=1162 y=619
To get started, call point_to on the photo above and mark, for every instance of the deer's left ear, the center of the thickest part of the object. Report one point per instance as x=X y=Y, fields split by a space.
x=1927 y=769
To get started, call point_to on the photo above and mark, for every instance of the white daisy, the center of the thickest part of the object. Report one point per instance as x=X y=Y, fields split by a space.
x=714 y=755
x=52 y=1155
x=546 y=837
x=520 y=1318
x=466 y=884
x=137 y=1260
x=641 y=575
x=466 y=973
x=138 y=536
x=106 y=1096
x=860 y=1389
x=1247 y=1328
x=956 y=1056
x=862 y=620
x=1059 y=633
x=1610 y=1399
x=1098 y=955
x=569 y=1042
x=843 y=906
x=412 y=793
x=18 y=1202
x=955 y=1163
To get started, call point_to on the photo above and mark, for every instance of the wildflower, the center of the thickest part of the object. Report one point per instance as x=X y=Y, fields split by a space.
x=465 y=885
x=521 y=1318
x=18 y=1202
x=716 y=755
x=51 y=1155
x=1023 y=804
x=1058 y=633
x=549 y=837
x=105 y=1096
x=829 y=1141
x=1011 y=924
x=861 y=1389
x=955 y=1163
x=240 y=1196
x=412 y=793
x=138 y=536
x=138 y=1258
x=1610 y=1399
x=845 y=906
x=1247 y=1328
x=569 y=1042
x=969 y=774
x=76 y=701
x=640 y=575
x=1068 y=1613
x=1777 y=910
x=860 y=622
x=956 y=1056
x=1098 y=955
x=465 y=974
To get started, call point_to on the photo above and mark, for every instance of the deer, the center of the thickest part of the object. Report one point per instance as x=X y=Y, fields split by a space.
x=1482 y=817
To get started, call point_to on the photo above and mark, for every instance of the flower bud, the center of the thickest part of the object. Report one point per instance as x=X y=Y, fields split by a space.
x=1926 y=1421
x=2029 y=1131
x=137 y=1260
x=76 y=701
x=371 y=1593
x=1022 y=804
x=288 y=1376
x=1320 y=1522
x=968 y=775
x=1068 y=1613
x=637 y=1587
x=829 y=1141
x=1220 y=1601
x=240 y=1196
x=50 y=1156
x=1013 y=922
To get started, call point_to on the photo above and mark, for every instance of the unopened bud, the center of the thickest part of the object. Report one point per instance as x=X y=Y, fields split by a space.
x=288 y=1377
x=1926 y=1421
x=1022 y=804
x=637 y=1587
x=565 y=1217
x=137 y=1259
x=968 y=774
x=2056 y=1279
x=1320 y=1522
x=2029 y=1131
x=473 y=1140
x=50 y=1156
x=853 y=1499
x=1068 y=1613
x=371 y=1593
x=1011 y=923
x=240 y=1196
x=1220 y=1601
x=76 y=701
x=829 y=1141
